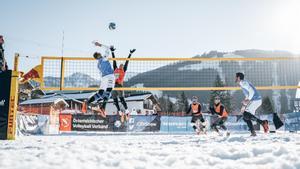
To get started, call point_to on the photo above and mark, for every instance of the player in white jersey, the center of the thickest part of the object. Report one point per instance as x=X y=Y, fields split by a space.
x=251 y=102
x=107 y=80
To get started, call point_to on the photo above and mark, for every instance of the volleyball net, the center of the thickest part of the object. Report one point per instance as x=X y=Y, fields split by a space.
x=174 y=74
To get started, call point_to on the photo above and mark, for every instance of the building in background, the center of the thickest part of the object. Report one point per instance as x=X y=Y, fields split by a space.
x=143 y=104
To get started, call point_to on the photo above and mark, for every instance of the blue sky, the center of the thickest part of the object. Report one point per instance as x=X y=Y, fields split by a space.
x=156 y=28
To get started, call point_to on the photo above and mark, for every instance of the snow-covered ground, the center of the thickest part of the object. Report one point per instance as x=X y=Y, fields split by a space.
x=91 y=151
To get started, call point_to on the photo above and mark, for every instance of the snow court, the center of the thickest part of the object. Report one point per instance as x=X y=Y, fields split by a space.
x=239 y=151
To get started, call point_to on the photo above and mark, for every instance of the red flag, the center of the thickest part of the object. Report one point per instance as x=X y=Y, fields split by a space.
x=35 y=74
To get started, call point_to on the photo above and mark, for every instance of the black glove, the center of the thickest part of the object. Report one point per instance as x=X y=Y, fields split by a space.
x=112 y=48
x=132 y=50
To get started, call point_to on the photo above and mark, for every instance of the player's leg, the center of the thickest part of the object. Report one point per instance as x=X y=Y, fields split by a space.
x=222 y=123
x=109 y=84
x=115 y=98
x=106 y=96
x=121 y=95
x=214 y=125
x=250 y=111
x=97 y=96
x=123 y=102
x=201 y=124
x=193 y=122
x=248 y=121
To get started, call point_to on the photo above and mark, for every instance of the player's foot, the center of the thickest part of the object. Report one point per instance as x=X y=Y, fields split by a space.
x=220 y=133
x=120 y=113
x=126 y=111
x=253 y=133
x=102 y=112
x=265 y=125
x=227 y=133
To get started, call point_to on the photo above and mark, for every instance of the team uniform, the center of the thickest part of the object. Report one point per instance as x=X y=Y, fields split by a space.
x=255 y=102
x=220 y=110
x=196 y=114
x=107 y=80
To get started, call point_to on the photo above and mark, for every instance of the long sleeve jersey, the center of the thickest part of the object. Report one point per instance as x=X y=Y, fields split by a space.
x=249 y=90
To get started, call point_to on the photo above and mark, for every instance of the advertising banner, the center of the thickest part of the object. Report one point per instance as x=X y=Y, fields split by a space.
x=292 y=121
x=175 y=124
x=89 y=123
x=143 y=123
x=65 y=122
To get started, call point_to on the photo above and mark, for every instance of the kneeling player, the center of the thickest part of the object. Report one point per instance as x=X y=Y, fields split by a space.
x=220 y=110
x=196 y=116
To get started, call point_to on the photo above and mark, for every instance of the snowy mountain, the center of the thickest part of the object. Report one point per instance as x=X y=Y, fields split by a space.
x=75 y=80
x=202 y=74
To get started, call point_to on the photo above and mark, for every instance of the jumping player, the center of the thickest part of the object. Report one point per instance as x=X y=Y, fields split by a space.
x=219 y=109
x=107 y=80
x=196 y=115
x=251 y=102
x=119 y=73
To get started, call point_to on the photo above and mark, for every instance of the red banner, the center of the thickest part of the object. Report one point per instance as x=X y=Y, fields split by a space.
x=65 y=122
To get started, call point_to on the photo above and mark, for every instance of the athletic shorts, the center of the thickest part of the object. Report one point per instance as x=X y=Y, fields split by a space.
x=117 y=93
x=252 y=106
x=107 y=81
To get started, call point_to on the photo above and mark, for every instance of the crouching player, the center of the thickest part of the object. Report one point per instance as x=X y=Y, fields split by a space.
x=219 y=109
x=197 y=121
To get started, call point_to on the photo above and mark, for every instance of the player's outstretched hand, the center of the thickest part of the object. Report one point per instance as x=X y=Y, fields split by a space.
x=132 y=51
x=112 y=48
x=97 y=44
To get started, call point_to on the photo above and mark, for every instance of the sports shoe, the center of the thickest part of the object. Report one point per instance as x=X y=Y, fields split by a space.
x=227 y=133
x=102 y=112
x=127 y=112
x=253 y=133
x=265 y=125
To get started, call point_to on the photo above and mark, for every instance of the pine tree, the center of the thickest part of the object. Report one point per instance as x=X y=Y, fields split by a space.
x=182 y=102
x=224 y=95
x=163 y=103
x=170 y=105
